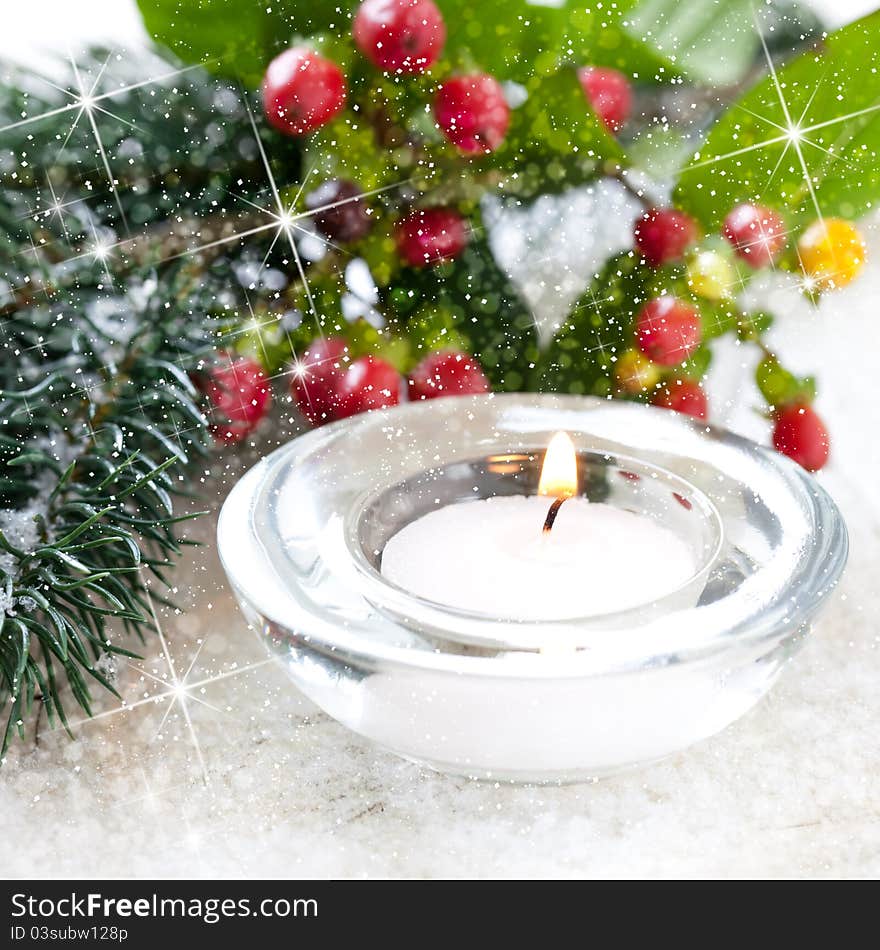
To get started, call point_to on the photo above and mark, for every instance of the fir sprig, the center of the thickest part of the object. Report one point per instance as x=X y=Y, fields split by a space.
x=92 y=438
x=99 y=416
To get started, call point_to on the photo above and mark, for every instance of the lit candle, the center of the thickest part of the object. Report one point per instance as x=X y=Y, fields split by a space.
x=549 y=556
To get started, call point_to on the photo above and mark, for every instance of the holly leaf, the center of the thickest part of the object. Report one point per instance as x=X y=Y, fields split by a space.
x=603 y=35
x=554 y=140
x=715 y=41
x=581 y=356
x=711 y=42
x=470 y=302
x=805 y=140
x=237 y=38
x=511 y=39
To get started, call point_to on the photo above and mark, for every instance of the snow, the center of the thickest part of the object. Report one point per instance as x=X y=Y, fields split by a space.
x=21 y=530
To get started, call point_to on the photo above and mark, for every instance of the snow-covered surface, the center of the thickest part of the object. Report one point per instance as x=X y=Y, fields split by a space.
x=249 y=780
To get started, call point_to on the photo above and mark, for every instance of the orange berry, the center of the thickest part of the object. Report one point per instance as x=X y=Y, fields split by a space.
x=832 y=253
x=634 y=373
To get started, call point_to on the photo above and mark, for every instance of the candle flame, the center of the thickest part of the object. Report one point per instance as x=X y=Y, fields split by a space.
x=559 y=471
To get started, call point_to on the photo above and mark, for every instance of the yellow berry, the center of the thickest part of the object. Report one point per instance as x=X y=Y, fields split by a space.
x=711 y=275
x=635 y=373
x=832 y=253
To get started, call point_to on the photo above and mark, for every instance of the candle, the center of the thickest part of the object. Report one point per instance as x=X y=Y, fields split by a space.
x=504 y=557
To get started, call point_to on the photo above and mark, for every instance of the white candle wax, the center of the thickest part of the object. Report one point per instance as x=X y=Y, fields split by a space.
x=492 y=557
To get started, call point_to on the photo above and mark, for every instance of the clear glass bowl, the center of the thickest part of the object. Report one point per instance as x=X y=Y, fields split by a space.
x=301 y=537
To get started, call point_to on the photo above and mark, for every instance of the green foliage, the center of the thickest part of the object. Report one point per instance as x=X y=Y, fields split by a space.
x=88 y=442
x=479 y=307
x=512 y=39
x=580 y=358
x=603 y=35
x=99 y=412
x=235 y=37
x=554 y=140
x=748 y=156
x=697 y=366
x=716 y=42
x=709 y=42
x=780 y=387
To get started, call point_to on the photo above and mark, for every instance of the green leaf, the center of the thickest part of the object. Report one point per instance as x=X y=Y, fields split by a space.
x=511 y=39
x=831 y=94
x=780 y=387
x=554 y=140
x=347 y=148
x=603 y=35
x=711 y=42
x=233 y=37
x=580 y=358
x=716 y=41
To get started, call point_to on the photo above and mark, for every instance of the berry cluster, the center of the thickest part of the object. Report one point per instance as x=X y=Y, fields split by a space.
x=240 y=396
x=668 y=329
x=327 y=385
x=303 y=90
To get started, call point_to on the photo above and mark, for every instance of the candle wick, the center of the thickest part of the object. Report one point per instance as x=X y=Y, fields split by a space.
x=553 y=512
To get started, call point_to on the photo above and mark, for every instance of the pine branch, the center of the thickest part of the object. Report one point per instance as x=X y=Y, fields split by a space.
x=90 y=438
x=99 y=413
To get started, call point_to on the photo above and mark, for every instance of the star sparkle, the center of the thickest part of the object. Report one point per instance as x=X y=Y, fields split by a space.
x=798 y=136
x=85 y=102
x=175 y=691
x=283 y=219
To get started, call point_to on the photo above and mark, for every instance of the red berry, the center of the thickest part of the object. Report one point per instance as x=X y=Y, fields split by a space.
x=667 y=330
x=240 y=395
x=447 y=373
x=609 y=93
x=472 y=112
x=340 y=213
x=756 y=233
x=801 y=435
x=369 y=383
x=683 y=395
x=302 y=91
x=430 y=235
x=404 y=36
x=662 y=234
x=316 y=377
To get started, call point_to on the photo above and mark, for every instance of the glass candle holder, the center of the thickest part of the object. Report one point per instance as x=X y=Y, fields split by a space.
x=302 y=536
